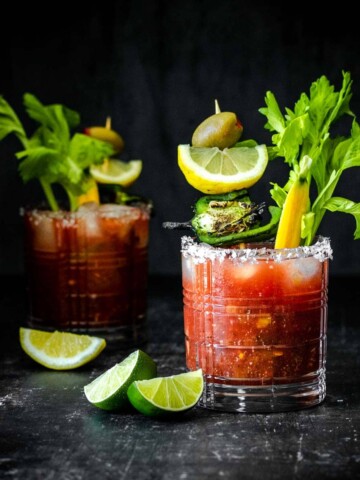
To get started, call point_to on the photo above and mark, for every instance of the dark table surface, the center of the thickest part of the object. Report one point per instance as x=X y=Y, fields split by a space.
x=49 y=431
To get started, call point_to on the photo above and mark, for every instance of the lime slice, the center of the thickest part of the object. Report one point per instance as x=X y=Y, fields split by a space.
x=60 y=350
x=117 y=172
x=213 y=171
x=109 y=390
x=167 y=395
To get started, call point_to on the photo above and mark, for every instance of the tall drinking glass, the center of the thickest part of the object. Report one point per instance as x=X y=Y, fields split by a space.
x=255 y=322
x=87 y=270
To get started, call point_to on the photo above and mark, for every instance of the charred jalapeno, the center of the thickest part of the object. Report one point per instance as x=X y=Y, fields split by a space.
x=230 y=219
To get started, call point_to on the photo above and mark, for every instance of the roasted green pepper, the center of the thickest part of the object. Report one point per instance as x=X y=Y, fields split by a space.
x=203 y=203
x=232 y=218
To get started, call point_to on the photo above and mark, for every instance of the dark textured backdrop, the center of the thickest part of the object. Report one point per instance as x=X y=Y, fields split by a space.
x=156 y=67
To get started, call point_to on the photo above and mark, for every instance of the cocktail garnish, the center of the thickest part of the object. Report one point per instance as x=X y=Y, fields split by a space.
x=53 y=155
x=295 y=206
x=106 y=134
x=222 y=130
x=212 y=170
x=218 y=216
x=305 y=131
x=241 y=230
x=116 y=172
x=229 y=219
x=303 y=138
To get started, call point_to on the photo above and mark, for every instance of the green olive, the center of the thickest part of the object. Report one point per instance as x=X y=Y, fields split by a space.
x=221 y=130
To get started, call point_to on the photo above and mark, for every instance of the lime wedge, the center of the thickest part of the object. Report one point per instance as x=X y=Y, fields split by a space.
x=167 y=395
x=214 y=171
x=108 y=391
x=60 y=350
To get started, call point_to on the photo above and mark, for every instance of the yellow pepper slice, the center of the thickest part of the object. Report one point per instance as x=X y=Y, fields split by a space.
x=92 y=195
x=295 y=206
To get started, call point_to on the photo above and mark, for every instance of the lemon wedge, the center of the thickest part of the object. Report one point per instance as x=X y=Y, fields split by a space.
x=117 y=172
x=60 y=350
x=214 y=171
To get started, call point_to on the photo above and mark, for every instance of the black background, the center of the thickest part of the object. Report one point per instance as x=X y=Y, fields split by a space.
x=155 y=67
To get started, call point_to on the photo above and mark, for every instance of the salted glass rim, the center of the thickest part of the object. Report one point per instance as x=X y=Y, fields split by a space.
x=105 y=210
x=200 y=252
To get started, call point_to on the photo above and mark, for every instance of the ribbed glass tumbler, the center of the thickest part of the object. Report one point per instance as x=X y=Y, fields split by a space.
x=255 y=322
x=87 y=271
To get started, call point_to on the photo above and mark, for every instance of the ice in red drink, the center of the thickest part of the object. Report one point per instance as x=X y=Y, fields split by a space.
x=255 y=322
x=87 y=270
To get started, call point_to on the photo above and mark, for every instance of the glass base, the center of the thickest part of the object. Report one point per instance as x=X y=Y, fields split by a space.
x=220 y=395
x=122 y=336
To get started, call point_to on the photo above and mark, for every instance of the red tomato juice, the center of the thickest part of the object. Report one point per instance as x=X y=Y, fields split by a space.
x=87 y=271
x=255 y=322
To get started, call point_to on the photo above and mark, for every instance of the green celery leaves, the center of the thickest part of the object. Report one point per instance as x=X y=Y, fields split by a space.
x=306 y=130
x=87 y=151
x=339 y=204
x=51 y=154
x=9 y=123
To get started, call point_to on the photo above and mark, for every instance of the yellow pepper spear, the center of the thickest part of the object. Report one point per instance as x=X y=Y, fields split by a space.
x=295 y=206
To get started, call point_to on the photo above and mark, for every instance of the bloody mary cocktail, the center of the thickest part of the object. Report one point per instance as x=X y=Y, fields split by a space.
x=255 y=322
x=86 y=256
x=256 y=314
x=87 y=270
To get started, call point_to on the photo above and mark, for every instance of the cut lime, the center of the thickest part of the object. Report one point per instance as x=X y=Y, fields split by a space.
x=60 y=350
x=117 y=172
x=167 y=395
x=214 y=171
x=108 y=391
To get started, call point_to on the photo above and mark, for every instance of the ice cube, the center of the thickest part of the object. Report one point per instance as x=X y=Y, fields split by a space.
x=92 y=224
x=88 y=207
x=121 y=221
x=43 y=231
x=188 y=269
x=301 y=274
x=242 y=271
x=85 y=225
x=141 y=230
x=303 y=268
x=111 y=210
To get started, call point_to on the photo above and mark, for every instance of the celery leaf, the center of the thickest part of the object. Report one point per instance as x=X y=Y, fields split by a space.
x=86 y=151
x=339 y=204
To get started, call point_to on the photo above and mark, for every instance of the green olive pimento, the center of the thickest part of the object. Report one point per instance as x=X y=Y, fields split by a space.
x=220 y=130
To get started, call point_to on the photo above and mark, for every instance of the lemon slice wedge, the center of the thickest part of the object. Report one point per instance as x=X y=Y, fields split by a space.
x=60 y=350
x=214 y=171
x=117 y=172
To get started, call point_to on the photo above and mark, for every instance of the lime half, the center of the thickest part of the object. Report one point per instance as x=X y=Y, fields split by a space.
x=108 y=391
x=167 y=395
